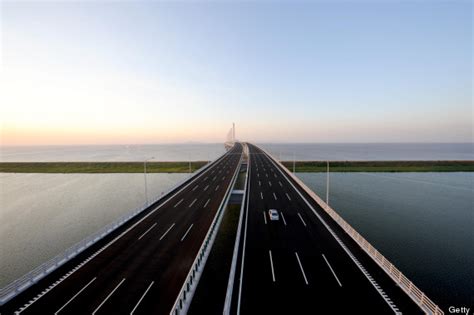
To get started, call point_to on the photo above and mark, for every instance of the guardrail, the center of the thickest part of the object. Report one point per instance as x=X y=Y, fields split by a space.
x=428 y=306
x=19 y=285
x=235 y=253
x=194 y=274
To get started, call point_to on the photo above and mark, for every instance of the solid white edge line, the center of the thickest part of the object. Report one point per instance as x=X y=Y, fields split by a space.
x=334 y=274
x=301 y=267
x=139 y=301
x=304 y=223
x=154 y=224
x=108 y=296
x=75 y=295
x=162 y=236
x=187 y=231
x=271 y=264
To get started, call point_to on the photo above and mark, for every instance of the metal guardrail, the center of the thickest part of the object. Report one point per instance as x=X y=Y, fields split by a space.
x=199 y=262
x=428 y=306
x=233 y=266
x=19 y=285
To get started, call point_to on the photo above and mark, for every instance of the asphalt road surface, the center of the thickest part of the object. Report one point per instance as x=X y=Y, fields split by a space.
x=142 y=266
x=302 y=263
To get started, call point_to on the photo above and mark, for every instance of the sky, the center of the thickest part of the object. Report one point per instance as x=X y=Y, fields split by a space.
x=139 y=72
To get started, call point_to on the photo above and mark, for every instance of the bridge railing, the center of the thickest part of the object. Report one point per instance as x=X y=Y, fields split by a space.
x=19 y=285
x=403 y=282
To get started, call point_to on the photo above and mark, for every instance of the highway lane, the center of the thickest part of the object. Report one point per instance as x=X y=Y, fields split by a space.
x=295 y=265
x=142 y=270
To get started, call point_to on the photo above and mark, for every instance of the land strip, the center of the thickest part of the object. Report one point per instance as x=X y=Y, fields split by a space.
x=99 y=167
x=183 y=166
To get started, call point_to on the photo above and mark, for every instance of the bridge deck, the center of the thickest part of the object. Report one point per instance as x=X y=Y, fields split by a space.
x=304 y=263
x=142 y=266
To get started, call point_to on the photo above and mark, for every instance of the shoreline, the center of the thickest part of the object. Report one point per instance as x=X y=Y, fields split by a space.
x=99 y=167
x=183 y=166
x=381 y=166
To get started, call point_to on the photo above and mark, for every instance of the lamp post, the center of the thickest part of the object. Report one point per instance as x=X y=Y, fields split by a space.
x=189 y=158
x=294 y=163
x=144 y=177
x=327 y=184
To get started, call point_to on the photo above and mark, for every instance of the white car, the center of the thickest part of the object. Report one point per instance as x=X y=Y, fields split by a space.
x=273 y=214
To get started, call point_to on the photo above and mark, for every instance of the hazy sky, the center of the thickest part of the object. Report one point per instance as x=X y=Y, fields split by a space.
x=322 y=71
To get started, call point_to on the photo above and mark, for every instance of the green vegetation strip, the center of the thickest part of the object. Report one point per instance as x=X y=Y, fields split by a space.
x=183 y=167
x=99 y=167
x=381 y=166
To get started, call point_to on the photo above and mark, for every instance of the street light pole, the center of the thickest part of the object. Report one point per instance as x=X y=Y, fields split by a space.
x=327 y=184
x=294 y=163
x=144 y=176
x=189 y=164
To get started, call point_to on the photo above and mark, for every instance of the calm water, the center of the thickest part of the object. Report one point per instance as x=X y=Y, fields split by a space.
x=372 y=151
x=184 y=152
x=160 y=152
x=43 y=214
x=422 y=222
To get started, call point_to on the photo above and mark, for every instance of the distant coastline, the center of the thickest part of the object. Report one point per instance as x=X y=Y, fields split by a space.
x=381 y=166
x=99 y=167
x=184 y=166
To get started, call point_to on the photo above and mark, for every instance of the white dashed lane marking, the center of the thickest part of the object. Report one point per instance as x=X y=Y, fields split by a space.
x=334 y=274
x=178 y=203
x=271 y=265
x=147 y=231
x=162 y=236
x=301 y=218
x=301 y=267
x=83 y=288
x=187 y=231
x=108 y=296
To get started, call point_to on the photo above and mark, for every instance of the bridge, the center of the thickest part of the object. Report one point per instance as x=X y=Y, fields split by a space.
x=308 y=261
